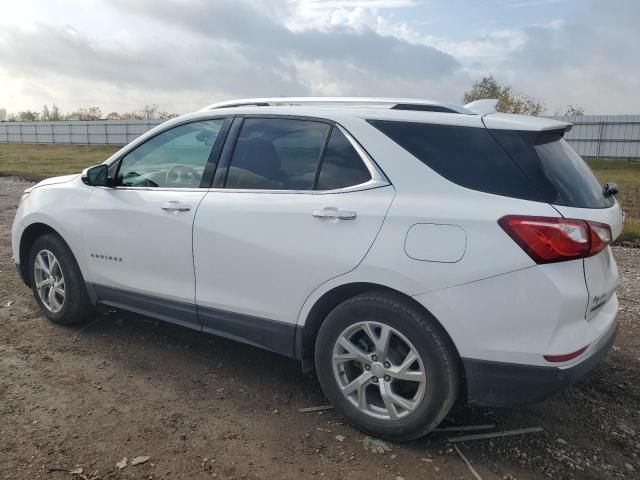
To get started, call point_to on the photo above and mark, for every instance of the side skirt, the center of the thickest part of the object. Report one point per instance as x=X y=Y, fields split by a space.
x=278 y=337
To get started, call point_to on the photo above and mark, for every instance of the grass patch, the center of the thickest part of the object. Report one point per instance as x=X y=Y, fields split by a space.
x=36 y=162
x=627 y=175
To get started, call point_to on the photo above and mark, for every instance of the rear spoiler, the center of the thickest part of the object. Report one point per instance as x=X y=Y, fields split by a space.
x=507 y=121
x=488 y=106
x=484 y=106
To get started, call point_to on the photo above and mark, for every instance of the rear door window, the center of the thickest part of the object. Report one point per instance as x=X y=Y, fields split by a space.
x=341 y=165
x=276 y=154
x=557 y=171
x=467 y=156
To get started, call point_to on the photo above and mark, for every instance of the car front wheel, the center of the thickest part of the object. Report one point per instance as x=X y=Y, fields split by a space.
x=386 y=366
x=57 y=282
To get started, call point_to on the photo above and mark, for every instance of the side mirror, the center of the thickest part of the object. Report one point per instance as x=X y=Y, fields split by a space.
x=610 y=189
x=96 y=176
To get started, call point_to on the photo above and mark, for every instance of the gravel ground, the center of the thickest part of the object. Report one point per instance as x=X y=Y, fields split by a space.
x=204 y=407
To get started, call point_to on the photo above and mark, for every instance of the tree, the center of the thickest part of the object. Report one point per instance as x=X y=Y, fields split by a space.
x=51 y=115
x=114 y=116
x=149 y=111
x=91 y=113
x=571 y=111
x=28 y=116
x=164 y=115
x=508 y=101
x=131 y=116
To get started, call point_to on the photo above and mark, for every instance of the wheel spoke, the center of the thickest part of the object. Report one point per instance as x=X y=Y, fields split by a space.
x=380 y=342
x=402 y=371
x=353 y=352
x=51 y=297
x=387 y=398
x=382 y=346
x=357 y=385
x=366 y=327
x=411 y=376
x=392 y=401
x=42 y=265
x=43 y=283
x=53 y=263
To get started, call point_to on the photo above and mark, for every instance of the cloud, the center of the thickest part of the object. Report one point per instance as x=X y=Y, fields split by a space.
x=259 y=35
x=592 y=60
x=224 y=49
x=185 y=54
x=531 y=3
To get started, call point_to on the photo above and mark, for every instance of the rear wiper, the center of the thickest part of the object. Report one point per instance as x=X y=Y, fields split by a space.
x=610 y=189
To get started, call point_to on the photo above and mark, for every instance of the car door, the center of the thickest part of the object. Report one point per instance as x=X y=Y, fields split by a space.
x=298 y=202
x=138 y=234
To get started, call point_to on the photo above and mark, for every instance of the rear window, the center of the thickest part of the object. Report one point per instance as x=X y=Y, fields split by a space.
x=468 y=156
x=558 y=172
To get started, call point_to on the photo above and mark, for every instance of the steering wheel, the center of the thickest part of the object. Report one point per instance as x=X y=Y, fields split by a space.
x=181 y=175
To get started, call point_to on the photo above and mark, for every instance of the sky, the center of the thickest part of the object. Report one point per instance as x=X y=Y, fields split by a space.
x=185 y=54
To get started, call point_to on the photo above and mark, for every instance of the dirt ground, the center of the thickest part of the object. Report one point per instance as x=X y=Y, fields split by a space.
x=204 y=407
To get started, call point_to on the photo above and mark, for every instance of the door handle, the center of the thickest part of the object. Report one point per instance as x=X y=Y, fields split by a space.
x=175 y=206
x=332 y=212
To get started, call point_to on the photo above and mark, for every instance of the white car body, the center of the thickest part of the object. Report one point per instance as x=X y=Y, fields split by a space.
x=253 y=265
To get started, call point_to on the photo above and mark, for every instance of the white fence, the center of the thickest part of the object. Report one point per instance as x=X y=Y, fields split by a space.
x=605 y=136
x=596 y=136
x=99 y=132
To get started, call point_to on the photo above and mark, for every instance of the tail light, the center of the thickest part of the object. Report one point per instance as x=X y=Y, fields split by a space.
x=566 y=357
x=550 y=239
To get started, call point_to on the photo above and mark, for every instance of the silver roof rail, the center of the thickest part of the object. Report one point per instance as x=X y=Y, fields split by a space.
x=397 y=103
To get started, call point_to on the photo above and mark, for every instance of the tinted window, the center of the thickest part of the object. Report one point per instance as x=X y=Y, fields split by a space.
x=557 y=171
x=341 y=165
x=468 y=156
x=276 y=154
x=175 y=158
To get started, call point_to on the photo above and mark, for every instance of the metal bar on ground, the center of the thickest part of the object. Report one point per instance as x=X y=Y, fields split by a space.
x=468 y=463
x=484 y=436
x=319 y=408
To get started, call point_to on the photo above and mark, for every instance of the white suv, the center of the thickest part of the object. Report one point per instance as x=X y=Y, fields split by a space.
x=410 y=251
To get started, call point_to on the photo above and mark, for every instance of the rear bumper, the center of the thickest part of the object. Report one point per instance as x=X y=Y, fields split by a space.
x=499 y=384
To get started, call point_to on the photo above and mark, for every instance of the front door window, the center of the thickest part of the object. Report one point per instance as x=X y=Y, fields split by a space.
x=175 y=158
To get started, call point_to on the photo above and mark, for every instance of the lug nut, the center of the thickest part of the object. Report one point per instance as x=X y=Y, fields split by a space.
x=374 y=358
x=375 y=379
x=387 y=378
x=367 y=366
x=387 y=365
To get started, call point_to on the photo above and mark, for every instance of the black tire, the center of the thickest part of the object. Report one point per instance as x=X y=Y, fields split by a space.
x=439 y=357
x=76 y=306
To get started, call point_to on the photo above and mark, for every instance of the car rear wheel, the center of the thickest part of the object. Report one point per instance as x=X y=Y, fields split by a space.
x=57 y=282
x=388 y=368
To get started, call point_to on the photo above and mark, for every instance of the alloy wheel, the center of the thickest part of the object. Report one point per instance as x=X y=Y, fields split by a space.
x=379 y=370
x=49 y=281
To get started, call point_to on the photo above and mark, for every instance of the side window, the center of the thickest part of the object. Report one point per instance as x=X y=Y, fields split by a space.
x=276 y=154
x=468 y=156
x=341 y=165
x=173 y=159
